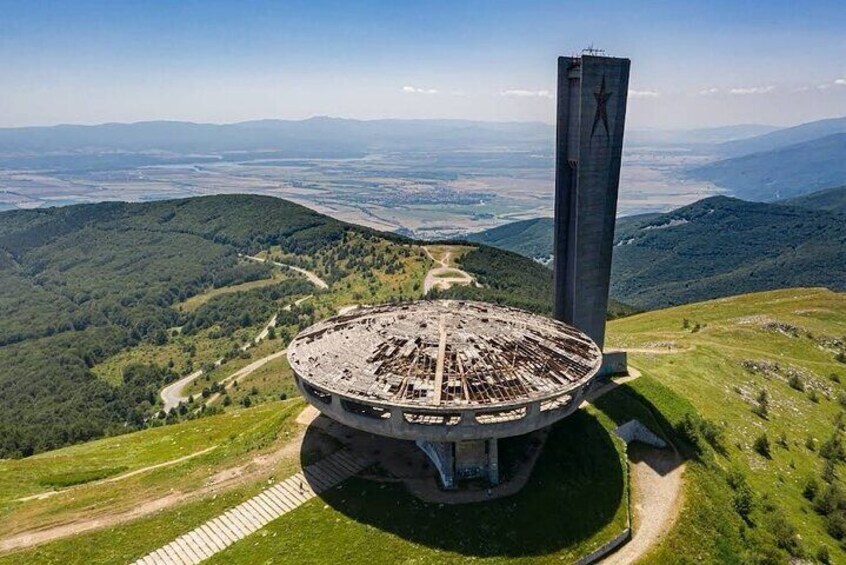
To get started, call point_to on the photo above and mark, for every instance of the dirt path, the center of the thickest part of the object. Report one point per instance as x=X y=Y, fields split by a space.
x=48 y=494
x=315 y=280
x=172 y=394
x=254 y=469
x=656 y=478
x=444 y=276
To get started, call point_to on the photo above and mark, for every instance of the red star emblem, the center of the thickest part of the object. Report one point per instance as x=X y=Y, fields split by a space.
x=601 y=109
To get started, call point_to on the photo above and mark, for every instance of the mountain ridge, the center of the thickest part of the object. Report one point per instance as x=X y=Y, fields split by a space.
x=683 y=255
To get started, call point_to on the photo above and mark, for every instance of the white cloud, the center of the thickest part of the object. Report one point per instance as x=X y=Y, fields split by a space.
x=415 y=90
x=643 y=94
x=709 y=91
x=521 y=93
x=840 y=82
x=752 y=90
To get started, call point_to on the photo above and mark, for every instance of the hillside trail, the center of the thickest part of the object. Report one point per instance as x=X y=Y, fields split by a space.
x=315 y=280
x=656 y=482
x=444 y=276
x=254 y=469
x=121 y=477
x=171 y=395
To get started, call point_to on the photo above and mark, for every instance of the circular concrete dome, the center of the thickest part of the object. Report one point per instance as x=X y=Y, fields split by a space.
x=443 y=370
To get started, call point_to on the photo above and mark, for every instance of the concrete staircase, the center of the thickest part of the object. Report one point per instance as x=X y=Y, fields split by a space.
x=237 y=523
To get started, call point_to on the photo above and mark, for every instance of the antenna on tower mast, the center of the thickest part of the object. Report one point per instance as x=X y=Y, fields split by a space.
x=591 y=50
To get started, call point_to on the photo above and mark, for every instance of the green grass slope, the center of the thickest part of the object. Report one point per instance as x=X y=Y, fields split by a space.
x=718 y=377
x=715 y=361
x=574 y=502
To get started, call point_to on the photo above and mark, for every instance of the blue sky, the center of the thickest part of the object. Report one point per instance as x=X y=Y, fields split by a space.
x=694 y=63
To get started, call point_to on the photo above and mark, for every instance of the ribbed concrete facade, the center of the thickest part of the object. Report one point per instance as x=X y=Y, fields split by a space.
x=592 y=93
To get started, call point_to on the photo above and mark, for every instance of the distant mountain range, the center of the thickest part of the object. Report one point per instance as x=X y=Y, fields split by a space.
x=780 y=164
x=830 y=200
x=318 y=135
x=781 y=173
x=784 y=137
x=698 y=136
x=716 y=247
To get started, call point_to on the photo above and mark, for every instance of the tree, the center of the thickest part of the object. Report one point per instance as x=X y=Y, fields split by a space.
x=763 y=407
x=762 y=445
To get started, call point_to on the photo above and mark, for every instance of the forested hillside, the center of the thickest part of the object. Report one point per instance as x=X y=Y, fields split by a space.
x=722 y=247
x=715 y=247
x=533 y=238
x=830 y=200
x=508 y=278
x=530 y=238
x=81 y=283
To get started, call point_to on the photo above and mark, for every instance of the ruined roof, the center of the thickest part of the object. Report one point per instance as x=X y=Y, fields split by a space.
x=443 y=354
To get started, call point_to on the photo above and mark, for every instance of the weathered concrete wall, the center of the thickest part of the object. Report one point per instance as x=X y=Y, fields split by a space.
x=614 y=362
x=393 y=422
x=587 y=180
x=634 y=430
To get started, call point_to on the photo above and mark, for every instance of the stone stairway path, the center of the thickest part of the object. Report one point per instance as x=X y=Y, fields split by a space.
x=239 y=522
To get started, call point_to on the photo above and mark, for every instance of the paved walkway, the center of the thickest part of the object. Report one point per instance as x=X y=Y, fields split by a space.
x=239 y=522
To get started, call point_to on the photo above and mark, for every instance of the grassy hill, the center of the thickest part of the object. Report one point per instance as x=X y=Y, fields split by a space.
x=704 y=367
x=106 y=303
x=748 y=500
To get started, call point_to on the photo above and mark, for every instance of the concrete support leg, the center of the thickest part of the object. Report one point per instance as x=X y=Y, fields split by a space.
x=442 y=456
x=493 y=462
x=477 y=459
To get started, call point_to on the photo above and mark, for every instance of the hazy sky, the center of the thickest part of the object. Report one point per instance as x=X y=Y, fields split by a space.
x=702 y=63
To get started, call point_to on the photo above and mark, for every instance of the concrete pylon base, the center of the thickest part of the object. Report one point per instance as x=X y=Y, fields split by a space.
x=614 y=362
x=460 y=460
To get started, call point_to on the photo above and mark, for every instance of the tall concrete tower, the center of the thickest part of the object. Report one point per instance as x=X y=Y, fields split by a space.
x=592 y=93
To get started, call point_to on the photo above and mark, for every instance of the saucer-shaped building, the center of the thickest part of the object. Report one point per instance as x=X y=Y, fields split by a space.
x=451 y=375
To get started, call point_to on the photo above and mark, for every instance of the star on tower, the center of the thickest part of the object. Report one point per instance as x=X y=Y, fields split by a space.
x=601 y=109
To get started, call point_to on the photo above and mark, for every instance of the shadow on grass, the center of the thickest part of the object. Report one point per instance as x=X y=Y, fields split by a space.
x=576 y=489
x=623 y=404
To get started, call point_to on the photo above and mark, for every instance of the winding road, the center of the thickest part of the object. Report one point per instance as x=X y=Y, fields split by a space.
x=315 y=280
x=171 y=395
